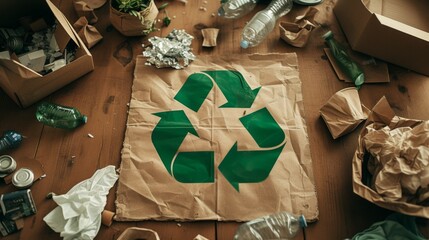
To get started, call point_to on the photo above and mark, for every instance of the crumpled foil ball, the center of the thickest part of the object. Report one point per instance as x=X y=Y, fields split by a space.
x=172 y=51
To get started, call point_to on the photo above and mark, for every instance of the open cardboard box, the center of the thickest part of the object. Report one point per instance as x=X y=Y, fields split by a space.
x=396 y=31
x=26 y=86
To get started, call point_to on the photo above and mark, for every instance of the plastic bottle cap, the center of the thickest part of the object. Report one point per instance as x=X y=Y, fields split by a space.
x=244 y=44
x=221 y=12
x=302 y=221
x=360 y=80
x=23 y=178
x=307 y=2
x=7 y=164
x=84 y=119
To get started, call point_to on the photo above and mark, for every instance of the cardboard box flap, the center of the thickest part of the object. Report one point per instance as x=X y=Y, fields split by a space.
x=352 y=28
x=399 y=26
x=61 y=38
x=19 y=69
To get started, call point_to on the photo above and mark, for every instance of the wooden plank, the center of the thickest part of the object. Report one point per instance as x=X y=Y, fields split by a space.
x=103 y=96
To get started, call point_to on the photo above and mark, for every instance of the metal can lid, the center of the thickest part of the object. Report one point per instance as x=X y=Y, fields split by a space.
x=7 y=164
x=23 y=178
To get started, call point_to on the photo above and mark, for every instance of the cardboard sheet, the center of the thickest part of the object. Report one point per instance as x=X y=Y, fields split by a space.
x=223 y=139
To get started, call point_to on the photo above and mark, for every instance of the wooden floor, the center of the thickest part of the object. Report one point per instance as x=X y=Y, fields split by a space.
x=104 y=93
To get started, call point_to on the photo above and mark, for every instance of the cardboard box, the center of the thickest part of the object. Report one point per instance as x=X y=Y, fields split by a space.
x=383 y=115
x=25 y=86
x=396 y=31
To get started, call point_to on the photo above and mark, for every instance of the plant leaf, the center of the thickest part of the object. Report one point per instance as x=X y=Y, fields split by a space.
x=163 y=6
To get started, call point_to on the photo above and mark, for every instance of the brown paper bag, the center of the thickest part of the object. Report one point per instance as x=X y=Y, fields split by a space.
x=298 y=32
x=343 y=112
x=130 y=25
x=382 y=115
x=89 y=34
x=223 y=139
x=84 y=10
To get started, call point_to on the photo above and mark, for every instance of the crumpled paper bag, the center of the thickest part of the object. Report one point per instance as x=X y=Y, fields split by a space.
x=210 y=36
x=78 y=215
x=401 y=145
x=343 y=112
x=84 y=10
x=88 y=33
x=298 y=32
x=400 y=158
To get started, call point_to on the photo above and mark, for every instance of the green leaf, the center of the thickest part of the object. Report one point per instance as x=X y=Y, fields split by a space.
x=163 y=6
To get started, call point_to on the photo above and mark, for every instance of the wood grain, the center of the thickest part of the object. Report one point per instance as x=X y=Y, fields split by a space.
x=104 y=93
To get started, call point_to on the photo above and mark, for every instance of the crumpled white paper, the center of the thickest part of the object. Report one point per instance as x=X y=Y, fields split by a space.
x=78 y=215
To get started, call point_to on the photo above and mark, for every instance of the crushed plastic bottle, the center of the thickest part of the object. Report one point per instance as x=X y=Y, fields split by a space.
x=10 y=140
x=257 y=29
x=58 y=116
x=282 y=225
x=235 y=9
x=347 y=65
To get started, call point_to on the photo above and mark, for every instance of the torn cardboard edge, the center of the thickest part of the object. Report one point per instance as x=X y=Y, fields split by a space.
x=382 y=115
x=375 y=71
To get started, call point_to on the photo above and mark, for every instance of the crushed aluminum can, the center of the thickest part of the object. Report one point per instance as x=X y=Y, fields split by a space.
x=172 y=51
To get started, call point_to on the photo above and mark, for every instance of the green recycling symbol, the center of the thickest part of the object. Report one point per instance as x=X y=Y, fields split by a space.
x=250 y=166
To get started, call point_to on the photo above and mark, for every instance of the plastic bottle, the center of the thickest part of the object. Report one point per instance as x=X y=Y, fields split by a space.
x=347 y=65
x=9 y=140
x=263 y=22
x=58 y=116
x=282 y=225
x=235 y=9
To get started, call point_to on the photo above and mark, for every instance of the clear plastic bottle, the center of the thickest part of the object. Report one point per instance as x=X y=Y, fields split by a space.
x=9 y=140
x=282 y=225
x=347 y=65
x=257 y=29
x=235 y=9
x=58 y=116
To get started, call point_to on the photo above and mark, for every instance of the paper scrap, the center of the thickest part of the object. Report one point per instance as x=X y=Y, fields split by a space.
x=298 y=32
x=400 y=160
x=210 y=36
x=78 y=215
x=343 y=112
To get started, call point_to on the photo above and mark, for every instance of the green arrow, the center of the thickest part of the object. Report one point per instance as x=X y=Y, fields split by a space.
x=235 y=88
x=263 y=128
x=169 y=133
x=194 y=167
x=194 y=91
x=248 y=166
